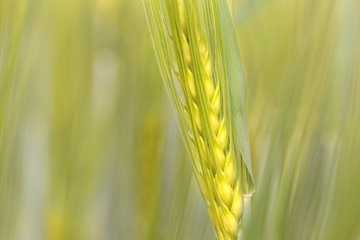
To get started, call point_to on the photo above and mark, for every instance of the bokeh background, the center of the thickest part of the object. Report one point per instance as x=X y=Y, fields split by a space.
x=90 y=148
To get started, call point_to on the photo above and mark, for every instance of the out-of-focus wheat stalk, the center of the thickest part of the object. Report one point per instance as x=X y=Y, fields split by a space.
x=19 y=34
x=303 y=103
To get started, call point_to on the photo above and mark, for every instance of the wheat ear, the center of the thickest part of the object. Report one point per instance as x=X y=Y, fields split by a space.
x=187 y=36
x=219 y=172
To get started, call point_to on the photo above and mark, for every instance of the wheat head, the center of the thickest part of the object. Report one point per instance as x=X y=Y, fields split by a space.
x=194 y=72
x=218 y=178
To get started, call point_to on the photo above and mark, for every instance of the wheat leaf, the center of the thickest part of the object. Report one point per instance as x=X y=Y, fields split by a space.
x=237 y=88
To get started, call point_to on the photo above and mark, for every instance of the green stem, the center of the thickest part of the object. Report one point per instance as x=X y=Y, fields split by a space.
x=246 y=212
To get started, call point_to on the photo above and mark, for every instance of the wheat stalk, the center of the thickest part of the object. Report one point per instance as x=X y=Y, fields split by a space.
x=192 y=61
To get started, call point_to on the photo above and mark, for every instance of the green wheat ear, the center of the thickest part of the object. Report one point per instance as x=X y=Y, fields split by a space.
x=190 y=46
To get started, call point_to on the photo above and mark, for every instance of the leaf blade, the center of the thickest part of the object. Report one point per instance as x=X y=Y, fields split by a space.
x=237 y=88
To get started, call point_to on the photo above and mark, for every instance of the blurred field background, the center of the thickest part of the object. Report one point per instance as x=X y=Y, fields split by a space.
x=90 y=149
